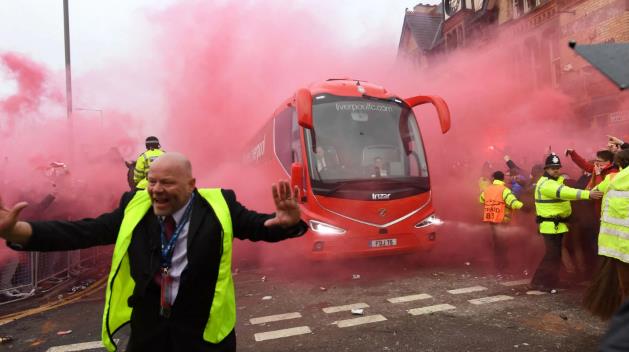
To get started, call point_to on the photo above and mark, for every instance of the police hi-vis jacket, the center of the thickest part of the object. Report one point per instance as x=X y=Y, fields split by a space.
x=142 y=165
x=552 y=204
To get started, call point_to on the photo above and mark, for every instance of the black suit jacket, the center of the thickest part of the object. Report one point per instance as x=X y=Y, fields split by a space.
x=183 y=331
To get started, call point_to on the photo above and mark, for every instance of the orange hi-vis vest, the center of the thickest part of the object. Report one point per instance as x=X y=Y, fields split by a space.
x=494 y=204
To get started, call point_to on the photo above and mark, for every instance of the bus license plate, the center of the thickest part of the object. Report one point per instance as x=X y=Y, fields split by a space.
x=388 y=242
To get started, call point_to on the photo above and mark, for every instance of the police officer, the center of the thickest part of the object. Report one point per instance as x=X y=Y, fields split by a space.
x=144 y=161
x=552 y=204
x=498 y=201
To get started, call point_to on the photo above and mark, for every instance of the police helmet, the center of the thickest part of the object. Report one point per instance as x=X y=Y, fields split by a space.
x=152 y=141
x=552 y=161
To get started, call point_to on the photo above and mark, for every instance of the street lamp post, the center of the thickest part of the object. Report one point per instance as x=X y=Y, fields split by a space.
x=66 y=35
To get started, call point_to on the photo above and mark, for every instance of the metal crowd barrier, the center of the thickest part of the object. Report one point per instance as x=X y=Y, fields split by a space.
x=40 y=272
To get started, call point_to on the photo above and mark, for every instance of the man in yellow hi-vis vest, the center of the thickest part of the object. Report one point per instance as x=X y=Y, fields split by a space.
x=552 y=204
x=171 y=276
x=610 y=286
x=143 y=163
x=498 y=201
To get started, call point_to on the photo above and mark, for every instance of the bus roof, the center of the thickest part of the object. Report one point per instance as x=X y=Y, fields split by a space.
x=349 y=87
x=342 y=87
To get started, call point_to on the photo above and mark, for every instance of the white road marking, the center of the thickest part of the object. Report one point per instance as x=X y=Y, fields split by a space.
x=277 y=317
x=490 y=299
x=516 y=282
x=536 y=292
x=345 y=307
x=359 y=321
x=79 y=346
x=431 y=309
x=277 y=334
x=410 y=298
x=467 y=290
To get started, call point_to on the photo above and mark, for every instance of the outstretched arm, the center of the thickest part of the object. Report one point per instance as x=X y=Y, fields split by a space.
x=60 y=235
x=10 y=228
x=578 y=159
x=562 y=192
x=284 y=223
x=511 y=200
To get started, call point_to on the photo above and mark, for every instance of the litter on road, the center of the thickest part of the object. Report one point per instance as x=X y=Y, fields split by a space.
x=358 y=311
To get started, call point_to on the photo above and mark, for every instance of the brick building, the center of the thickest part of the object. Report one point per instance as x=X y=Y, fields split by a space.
x=538 y=32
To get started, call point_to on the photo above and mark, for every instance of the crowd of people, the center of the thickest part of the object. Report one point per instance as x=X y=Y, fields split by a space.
x=590 y=240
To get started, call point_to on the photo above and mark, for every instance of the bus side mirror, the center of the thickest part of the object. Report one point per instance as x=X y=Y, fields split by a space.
x=297 y=179
x=442 y=108
x=303 y=103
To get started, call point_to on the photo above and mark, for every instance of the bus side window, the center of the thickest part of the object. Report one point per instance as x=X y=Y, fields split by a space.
x=284 y=137
x=295 y=138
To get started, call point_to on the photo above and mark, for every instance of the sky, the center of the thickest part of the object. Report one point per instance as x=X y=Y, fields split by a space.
x=102 y=31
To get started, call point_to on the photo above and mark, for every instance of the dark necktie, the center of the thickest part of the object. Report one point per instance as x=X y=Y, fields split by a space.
x=169 y=227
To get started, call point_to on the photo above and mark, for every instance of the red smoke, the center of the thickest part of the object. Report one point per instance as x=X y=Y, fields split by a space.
x=30 y=78
x=224 y=68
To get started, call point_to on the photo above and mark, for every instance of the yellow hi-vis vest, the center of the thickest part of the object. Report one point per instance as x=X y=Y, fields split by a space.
x=142 y=166
x=120 y=284
x=613 y=237
x=552 y=200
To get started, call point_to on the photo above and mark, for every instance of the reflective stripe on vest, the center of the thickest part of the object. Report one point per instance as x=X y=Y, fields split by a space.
x=613 y=237
x=494 y=210
x=539 y=199
x=149 y=156
x=610 y=197
x=120 y=284
x=548 y=207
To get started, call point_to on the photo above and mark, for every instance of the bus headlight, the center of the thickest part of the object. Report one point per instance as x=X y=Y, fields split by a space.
x=431 y=220
x=325 y=229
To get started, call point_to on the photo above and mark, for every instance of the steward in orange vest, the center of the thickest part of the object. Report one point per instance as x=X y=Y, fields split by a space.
x=498 y=201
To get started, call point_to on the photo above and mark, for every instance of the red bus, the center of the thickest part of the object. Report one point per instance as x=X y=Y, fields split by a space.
x=355 y=151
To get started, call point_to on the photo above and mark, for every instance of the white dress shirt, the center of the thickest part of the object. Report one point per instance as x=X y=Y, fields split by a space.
x=180 y=257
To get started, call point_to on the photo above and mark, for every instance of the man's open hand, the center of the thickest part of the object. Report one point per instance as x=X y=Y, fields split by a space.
x=287 y=212
x=9 y=217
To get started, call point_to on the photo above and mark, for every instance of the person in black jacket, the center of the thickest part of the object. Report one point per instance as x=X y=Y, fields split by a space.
x=190 y=274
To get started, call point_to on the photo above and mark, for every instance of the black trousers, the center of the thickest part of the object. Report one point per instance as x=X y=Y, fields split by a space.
x=182 y=332
x=547 y=273
x=617 y=337
x=167 y=342
x=498 y=240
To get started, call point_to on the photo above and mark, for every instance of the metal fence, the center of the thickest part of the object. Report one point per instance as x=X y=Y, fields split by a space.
x=27 y=274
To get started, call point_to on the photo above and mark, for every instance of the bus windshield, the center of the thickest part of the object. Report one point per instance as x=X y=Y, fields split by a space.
x=362 y=145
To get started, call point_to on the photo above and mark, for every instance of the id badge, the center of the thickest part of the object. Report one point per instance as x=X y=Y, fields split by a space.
x=166 y=296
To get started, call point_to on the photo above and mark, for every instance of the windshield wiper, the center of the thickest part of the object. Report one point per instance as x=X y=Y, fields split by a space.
x=388 y=100
x=342 y=184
